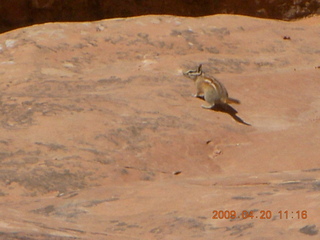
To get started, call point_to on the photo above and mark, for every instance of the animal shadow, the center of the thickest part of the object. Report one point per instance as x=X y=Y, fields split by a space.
x=225 y=108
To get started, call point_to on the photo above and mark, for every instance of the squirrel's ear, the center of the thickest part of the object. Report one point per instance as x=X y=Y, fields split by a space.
x=200 y=68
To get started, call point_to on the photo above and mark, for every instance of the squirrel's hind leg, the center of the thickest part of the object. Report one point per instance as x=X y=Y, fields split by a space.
x=207 y=107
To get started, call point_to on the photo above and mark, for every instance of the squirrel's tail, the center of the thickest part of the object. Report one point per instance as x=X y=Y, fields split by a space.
x=232 y=100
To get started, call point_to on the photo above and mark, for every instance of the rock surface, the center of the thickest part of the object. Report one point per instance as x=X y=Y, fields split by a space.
x=100 y=137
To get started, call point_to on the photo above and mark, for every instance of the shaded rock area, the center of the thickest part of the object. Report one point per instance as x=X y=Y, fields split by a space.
x=18 y=13
x=100 y=137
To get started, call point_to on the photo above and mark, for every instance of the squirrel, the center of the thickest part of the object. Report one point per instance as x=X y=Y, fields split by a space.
x=210 y=89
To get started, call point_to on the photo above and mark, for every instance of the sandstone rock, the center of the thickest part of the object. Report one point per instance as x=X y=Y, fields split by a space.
x=101 y=138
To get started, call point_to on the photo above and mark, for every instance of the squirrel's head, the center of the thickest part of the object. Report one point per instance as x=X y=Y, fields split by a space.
x=193 y=74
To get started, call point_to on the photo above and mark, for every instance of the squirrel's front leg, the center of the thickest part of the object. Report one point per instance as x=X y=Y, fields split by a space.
x=199 y=94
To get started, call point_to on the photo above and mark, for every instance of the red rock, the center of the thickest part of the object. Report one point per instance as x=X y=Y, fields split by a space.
x=96 y=119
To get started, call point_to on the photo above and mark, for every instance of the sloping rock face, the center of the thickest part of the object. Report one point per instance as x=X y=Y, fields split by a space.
x=100 y=137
